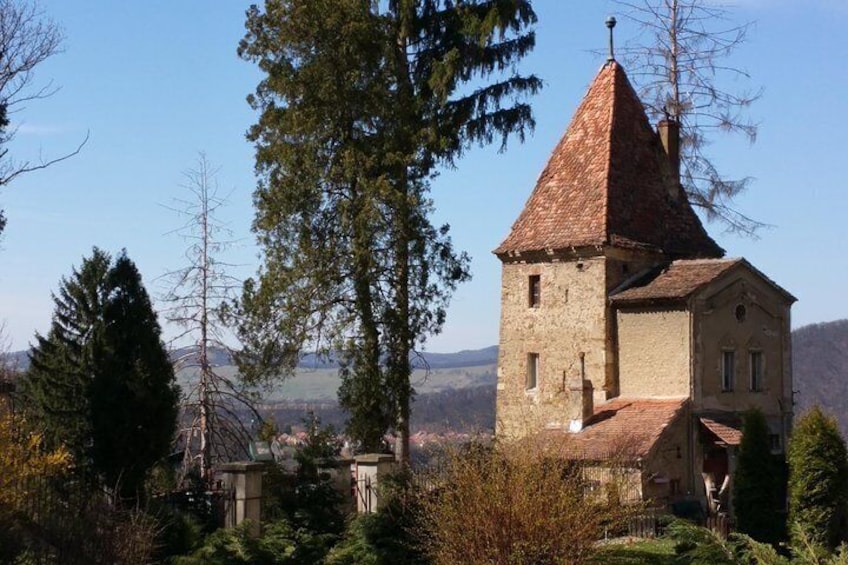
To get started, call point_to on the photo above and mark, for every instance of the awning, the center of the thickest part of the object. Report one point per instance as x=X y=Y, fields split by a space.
x=728 y=431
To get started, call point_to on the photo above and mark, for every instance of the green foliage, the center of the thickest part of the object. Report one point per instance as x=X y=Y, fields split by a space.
x=756 y=487
x=388 y=536
x=280 y=544
x=101 y=382
x=806 y=551
x=309 y=501
x=696 y=545
x=302 y=515
x=699 y=546
x=642 y=552
x=818 y=480
x=360 y=103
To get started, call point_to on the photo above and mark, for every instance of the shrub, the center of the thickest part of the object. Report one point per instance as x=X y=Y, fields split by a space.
x=756 y=482
x=385 y=537
x=519 y=503
x=818 y=480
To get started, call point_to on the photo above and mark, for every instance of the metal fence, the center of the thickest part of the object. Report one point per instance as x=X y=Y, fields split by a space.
x=66 y=520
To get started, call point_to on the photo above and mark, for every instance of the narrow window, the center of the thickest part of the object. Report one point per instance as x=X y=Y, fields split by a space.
x=728 y=370
x=532 y=371
x=535 y=288
x=756 y=365
x=774 y=443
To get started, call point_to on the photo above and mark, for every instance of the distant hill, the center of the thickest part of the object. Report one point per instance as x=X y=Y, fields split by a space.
x=459 y=388
x=464 y=358
x=220 y=357
x=820 y=369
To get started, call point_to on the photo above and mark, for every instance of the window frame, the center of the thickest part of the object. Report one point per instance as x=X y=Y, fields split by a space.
x=775 y=443
x=532 y=374
x=756 y=379
x=534 y=291
x=728 y=370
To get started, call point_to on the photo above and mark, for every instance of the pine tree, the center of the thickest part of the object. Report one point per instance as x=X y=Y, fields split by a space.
x=361 y=103
x=756 y=485
x=818 y=479
x=101 y=382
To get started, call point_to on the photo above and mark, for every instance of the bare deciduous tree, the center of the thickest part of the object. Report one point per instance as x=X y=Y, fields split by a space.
x=27 y=39
x=215 y=405
x=679 y=63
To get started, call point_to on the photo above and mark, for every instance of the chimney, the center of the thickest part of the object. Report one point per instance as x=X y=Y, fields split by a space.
x=669 y=130
x=580 y=402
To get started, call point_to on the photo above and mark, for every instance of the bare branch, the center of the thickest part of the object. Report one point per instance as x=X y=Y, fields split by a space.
x=215 y=404
x=676 y=63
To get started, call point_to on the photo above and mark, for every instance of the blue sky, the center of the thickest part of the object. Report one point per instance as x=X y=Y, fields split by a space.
x=156 y=82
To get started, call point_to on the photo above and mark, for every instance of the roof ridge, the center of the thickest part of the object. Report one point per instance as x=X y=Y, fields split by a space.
x=608 y=149
x=707 y=260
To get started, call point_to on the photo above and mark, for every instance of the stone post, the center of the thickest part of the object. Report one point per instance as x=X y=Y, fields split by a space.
x=244 y=480
x=370 y=469
x=580 y=403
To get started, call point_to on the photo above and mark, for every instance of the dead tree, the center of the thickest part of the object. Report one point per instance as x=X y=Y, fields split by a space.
x=679 y=63
x=216 y=407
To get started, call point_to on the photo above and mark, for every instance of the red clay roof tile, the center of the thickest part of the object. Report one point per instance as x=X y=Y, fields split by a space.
x=728 y=428
x=604 y=184
x=682 y=278
x=678 y=280
x=623 y=428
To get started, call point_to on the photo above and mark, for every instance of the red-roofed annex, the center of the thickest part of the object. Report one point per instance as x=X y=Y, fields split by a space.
x=622 y=327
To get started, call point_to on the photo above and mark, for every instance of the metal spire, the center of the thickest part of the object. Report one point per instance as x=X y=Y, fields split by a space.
x=611 y=24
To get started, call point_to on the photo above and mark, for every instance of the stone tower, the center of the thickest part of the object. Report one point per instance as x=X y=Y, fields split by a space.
x=607 y=209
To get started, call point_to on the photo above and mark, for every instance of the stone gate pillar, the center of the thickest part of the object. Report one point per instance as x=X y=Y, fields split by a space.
x=244 y=480
x=371 y=468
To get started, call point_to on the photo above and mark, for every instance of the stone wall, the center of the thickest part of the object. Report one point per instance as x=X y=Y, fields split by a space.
x=667 y=472
x=570 y=320
x=654 y=352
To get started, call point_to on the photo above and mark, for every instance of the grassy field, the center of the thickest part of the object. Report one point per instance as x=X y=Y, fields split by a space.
x=647 y=552
x=322 y=384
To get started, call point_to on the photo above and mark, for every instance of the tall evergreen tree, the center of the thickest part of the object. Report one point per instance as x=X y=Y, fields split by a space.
x=756 y=485
x=361 y=103
x=818 y=479
x=100 y=382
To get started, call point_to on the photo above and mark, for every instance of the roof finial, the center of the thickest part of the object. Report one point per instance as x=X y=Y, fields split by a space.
x=611 y=24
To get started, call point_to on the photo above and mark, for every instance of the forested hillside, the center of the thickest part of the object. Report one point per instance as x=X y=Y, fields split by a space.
x=464 y=400
x=820 y=361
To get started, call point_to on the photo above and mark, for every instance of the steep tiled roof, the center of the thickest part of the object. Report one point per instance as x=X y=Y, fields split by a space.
x=604 y=184
x=679 y=280
x=624 y=428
